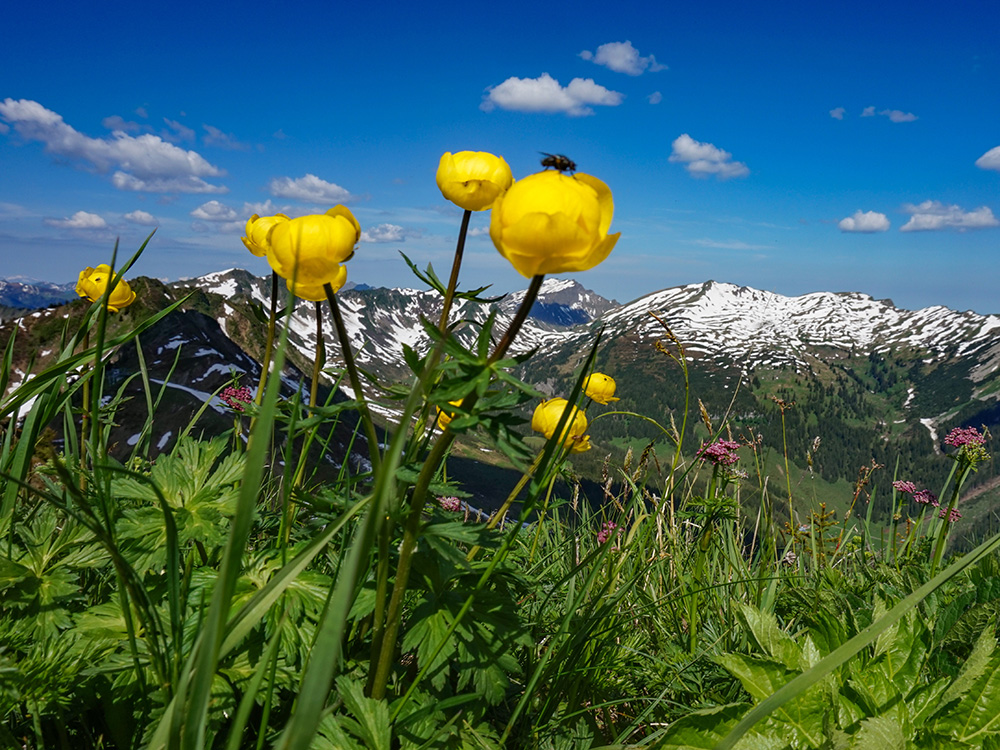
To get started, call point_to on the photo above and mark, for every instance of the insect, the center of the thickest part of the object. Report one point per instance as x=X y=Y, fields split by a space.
x=558 y=161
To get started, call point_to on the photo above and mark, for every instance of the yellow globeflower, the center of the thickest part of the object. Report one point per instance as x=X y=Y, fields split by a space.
x=600 y=387
x=257 y=229
x=445 y=417
x=473 y=180
x=94 y=281
x=550 y=222
x=316 y=292
x=546 y=419
x=310 y=249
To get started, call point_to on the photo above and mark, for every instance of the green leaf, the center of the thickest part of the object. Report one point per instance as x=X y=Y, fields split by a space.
x=880 y=733
x=978 y=713
x=705 y=728
x=771 y=639
x=371 y=716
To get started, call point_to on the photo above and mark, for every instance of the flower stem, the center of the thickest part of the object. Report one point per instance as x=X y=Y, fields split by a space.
x=456 y=265
x=418 y=498
x=318 y=359
x=352 y=373
x=964 y=472
x=265 y=363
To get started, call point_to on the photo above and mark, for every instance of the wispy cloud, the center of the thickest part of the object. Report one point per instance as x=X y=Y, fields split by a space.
x=309 y=189
x=115 y=122
x=894 y=115
x=655 y=98
x=897 y=115
x=727 y=244
x=177 y=131
x=704 y=159
x=865 y=222
x=545 y=94
x=935 y=216
x=79 y=220
x=146 y=162
x=838 y=113
x=622 y=57
x=215 y=137
x=990 y=160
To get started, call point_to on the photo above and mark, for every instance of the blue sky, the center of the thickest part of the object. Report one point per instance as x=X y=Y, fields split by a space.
x=787 y=146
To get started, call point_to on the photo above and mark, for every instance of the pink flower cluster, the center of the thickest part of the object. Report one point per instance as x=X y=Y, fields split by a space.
x=607 y=531
x=236 y=398
x=450 y=503
x=924 y=497
x=953 y=516
x=720 y=453
x=965 y=436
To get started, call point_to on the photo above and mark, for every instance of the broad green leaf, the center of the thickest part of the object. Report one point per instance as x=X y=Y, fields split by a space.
x=371 y=716
x=977 y=715
x=974 y=667
x=771 y=639
x=880 y=733
x=703 y=729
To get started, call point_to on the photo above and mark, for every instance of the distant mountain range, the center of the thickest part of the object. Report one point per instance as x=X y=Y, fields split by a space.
x=868 y=379
x=22 y=293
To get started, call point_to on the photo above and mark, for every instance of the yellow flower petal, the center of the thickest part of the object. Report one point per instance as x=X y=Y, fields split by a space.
x=473 y=180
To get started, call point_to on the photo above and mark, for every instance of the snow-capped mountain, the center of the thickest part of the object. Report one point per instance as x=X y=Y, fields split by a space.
x=24 y=293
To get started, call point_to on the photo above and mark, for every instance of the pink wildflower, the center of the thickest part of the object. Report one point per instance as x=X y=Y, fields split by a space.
x=965 y=436
x=450 y=503
x=952 y=516
x=925 y=497
x=906 y=487
x=236 y=398
x=720 y=453
x=607 y=531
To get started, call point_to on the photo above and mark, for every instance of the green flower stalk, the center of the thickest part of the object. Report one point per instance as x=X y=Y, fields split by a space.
x=971 y=452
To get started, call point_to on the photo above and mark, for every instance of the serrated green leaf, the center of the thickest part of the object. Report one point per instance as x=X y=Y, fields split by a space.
x=771 y=639
x=879 y=733
x=371 y=716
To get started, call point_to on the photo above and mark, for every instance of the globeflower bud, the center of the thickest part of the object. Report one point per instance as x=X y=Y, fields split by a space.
x=473 y=180
x=307 y=251
x=257 y=231
x=93 y=282
x=546 y=419
x=600 y=388
x=550 y=222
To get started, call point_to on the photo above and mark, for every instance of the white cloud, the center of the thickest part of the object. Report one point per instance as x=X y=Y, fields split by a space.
x=384 y=233
x=310 y=189
x=141 y=217
x=215 y=211
x=141 y=111
x=544 y=94
x=655 y=98
x=219 y=139
x=865 y=221
x=990 y=160
x=935 y=215
x=145 y=162
x=79 y=220
x=622 y=57
x=838 y=113
x=868 y=112
x=703 y=159
x=896 y=115
x=177 y=131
